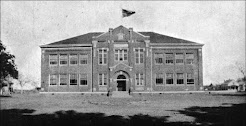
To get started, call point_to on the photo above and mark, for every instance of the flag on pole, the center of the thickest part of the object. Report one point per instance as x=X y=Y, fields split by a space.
x=126 y=13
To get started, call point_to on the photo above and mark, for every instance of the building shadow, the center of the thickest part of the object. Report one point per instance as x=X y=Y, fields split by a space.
x=232 y=115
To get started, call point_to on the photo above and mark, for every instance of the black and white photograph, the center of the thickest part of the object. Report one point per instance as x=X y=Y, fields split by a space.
x=122 y=63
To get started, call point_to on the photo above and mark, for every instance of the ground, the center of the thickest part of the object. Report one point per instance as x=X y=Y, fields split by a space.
x=142 y=109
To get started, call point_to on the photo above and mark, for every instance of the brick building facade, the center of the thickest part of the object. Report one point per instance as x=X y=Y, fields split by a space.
x=121 y=59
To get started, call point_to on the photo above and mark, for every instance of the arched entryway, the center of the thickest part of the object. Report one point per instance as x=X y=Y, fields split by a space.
x=121 y=83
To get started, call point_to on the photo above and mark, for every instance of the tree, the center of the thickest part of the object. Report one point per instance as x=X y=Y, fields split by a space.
x=241 y=68
x=7 y=65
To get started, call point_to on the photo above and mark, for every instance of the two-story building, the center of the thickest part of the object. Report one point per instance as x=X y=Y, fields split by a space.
x=121 y=59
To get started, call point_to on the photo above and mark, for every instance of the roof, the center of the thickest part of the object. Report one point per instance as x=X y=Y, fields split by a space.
x=87 y=39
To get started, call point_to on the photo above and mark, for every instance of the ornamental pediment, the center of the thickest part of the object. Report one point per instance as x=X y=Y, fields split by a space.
x=121 y=66
x=120 y=34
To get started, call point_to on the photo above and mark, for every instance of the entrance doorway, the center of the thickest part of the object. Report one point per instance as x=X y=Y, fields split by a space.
x=121 y=83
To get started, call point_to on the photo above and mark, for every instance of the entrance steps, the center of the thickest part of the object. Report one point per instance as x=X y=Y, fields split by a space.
x=120 y=94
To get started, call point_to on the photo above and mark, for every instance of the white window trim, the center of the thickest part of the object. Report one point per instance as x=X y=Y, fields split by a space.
x=57 y=60
x=159 y=57
x=162 y=78
x=177 y=79
x=103 y=56
x=60 y=80
x=138 y=55
x=49 y=81
x=87 y=60
x=86 y=79
x=192 y=78
x=103 y=74
x=70 y=60
x=166 y=80
x=139 y=79
x=60 y=60
x=70 y=77
x=118 y=60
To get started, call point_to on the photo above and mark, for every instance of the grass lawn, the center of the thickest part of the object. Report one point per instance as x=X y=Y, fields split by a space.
x=144 y=109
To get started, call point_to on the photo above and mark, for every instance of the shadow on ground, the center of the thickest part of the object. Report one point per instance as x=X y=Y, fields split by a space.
x=233 y=115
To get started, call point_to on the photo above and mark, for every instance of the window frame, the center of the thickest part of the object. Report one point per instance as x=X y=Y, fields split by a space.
x=188 y=58
x=62 y=59
x=177 y=57
x=104 y=79
x=192 y=78
x=120 y=53
x=104 y=55
x=84 y=57
x=70 y=57
x=70 y=79
x=139 y=79
x=86 y=79
x=57 y=60
x=169 y=78
x=139 y=55
x=157 y=56
x=169 y=59
x=160 y=76
x=177 y=78
x=61 y=81
x=56 y=80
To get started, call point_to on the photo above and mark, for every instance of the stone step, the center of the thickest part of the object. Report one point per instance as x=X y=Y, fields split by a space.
x=120 y=94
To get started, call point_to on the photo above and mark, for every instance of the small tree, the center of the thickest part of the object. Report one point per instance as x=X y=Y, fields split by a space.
x=242 y=70
x=7 y=65
x=23 y=80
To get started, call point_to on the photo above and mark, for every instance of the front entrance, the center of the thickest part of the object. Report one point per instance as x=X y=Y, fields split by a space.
x=121 y=83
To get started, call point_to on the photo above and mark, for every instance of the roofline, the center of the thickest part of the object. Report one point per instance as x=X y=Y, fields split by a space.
x=65 y=45
x=178 y=44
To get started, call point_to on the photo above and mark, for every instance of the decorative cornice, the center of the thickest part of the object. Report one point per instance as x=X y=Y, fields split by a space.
x=65 y=45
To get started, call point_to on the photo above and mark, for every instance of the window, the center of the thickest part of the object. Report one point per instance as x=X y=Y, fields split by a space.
x=180 y=78
x=53 y=58
x=73 y=59
x=179 y=58
x=73 y=79
x=189 y=58
x=120 y=54
x=190 y=78
x=159 y=78
x=139 y=56
x=158 y=58
x=83 y=79
x=63 y=59
x=83 y=58
x=102 y=79
x=169 y=78
x=169 y=58
x=53 y=79
x=139 y=80
x=63 y=79
x=102 y=55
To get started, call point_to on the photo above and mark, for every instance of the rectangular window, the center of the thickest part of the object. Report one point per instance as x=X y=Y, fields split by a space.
x=102 y=79
x=73 y=59
x=102 y=56
x=63 y=59
x=158 y=58
x=180 y=78
x=83 y=58
x=83 y=79
x=179 y=58
x=139 y=56
x=190 y=78
x=120 y=54
x=159 y=78
x=53 y=59
x=63 y=79
x=53 y=79
x=169 y=78
x=139 y=79
x=189 y=58
x=169 y=58
x=73 y=79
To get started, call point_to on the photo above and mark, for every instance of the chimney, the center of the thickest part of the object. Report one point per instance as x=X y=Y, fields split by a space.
x=130 y=30
x=110 y=31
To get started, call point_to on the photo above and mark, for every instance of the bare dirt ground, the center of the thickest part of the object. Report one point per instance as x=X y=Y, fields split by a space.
x=145 y=109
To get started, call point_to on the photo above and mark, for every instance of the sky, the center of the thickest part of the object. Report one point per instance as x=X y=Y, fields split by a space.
x=219 y=25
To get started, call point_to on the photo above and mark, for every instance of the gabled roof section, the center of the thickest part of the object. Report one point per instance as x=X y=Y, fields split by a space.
x=159 y=38
x=82 y=39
